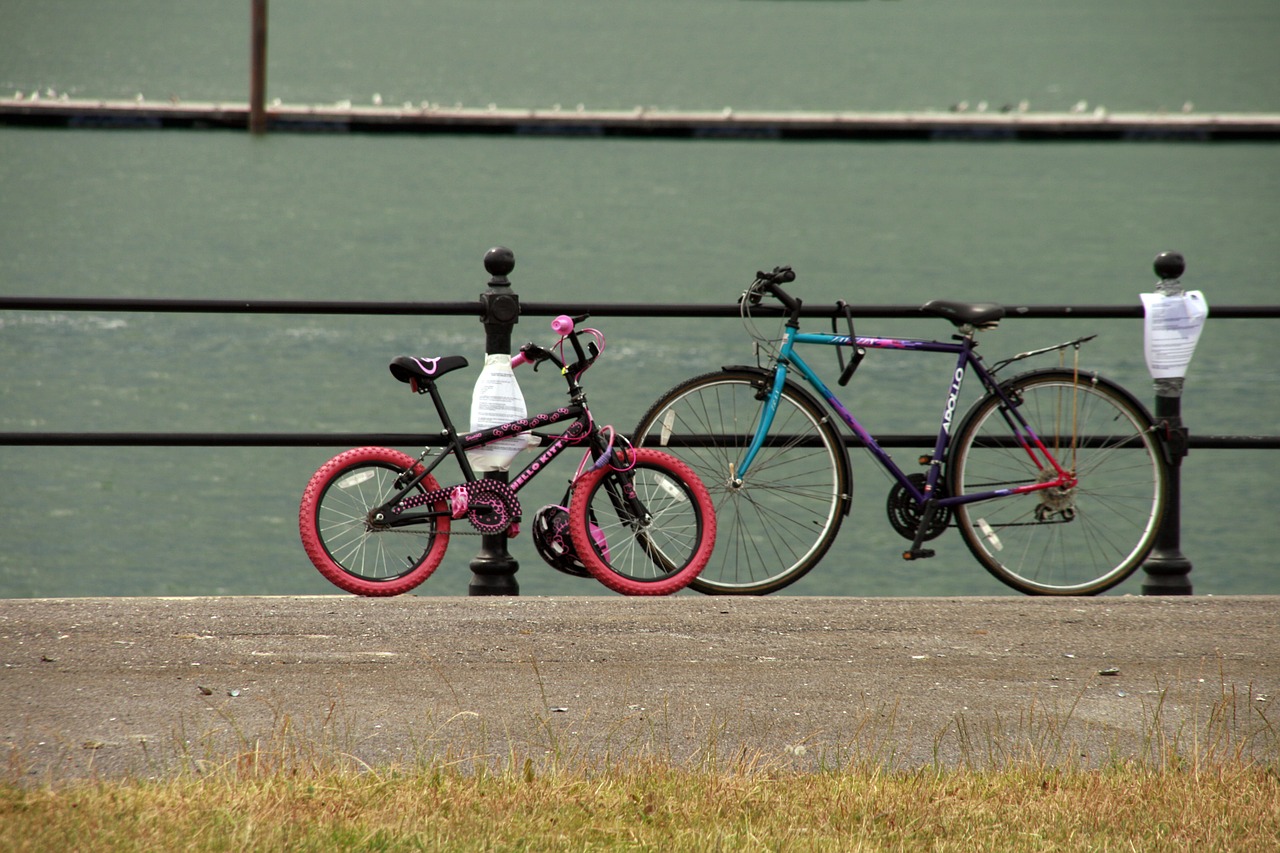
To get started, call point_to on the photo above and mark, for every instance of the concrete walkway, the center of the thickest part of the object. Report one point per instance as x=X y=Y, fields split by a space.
x=151 y=686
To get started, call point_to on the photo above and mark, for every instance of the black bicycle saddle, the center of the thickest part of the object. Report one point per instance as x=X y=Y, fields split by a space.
x=407 y=368
x=984 y=315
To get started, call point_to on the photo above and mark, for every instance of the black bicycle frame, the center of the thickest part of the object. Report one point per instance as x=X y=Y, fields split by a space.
x=456 y=446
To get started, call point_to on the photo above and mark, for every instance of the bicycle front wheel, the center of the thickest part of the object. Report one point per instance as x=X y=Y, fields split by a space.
x=1078 y=541
x=354 y=551
x=648 y=530
x=777 y=523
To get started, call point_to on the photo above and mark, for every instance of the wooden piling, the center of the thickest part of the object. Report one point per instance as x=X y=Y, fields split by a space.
x=258 y=68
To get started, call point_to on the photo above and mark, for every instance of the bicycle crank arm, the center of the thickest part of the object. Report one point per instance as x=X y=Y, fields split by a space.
x=922 y=532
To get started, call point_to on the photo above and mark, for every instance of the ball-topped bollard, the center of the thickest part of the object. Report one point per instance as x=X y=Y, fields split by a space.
x=1169 y=266
x=499 y=262
x=493 y=571
x=499 y=306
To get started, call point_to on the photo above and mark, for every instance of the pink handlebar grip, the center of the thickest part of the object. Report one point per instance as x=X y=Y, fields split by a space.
x=562 y=325
x=518 y=359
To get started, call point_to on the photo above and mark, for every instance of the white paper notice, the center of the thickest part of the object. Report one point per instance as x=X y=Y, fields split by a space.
x=1171 y=329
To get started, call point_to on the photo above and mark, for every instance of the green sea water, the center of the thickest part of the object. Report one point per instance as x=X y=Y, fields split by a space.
x=188 y=214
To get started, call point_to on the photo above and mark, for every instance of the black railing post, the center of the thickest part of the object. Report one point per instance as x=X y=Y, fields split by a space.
x=493 y=571
x=1168 y=570
x=258 y=67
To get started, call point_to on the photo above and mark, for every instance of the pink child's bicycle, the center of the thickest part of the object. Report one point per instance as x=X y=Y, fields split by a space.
x=376 y=521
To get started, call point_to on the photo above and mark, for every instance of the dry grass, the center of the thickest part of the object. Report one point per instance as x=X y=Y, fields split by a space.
x=1206 y=784
x=656 y=806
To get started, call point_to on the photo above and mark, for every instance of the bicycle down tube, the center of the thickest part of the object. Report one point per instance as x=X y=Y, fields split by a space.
x=483 y=437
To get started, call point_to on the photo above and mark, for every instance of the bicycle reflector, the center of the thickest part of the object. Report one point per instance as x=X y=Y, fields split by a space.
x=555 y=544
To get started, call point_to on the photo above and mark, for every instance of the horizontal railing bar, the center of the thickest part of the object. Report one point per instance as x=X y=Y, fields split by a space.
x=463 y=308
x=551 y=309
x=232 y=306
x=356 y=439
x=1219 y=442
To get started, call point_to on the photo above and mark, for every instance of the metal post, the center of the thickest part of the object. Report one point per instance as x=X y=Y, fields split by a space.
x=1168 y=571
x=258 y=68
x=493 y=571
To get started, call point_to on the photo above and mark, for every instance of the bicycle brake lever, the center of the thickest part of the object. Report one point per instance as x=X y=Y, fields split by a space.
x=535 y=354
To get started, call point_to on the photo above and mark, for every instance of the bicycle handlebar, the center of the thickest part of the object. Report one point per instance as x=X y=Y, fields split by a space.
x=771 y=283
x=567 y=328
x=780 y=275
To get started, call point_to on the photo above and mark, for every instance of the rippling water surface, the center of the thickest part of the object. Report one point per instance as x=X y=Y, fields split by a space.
x=186 y=214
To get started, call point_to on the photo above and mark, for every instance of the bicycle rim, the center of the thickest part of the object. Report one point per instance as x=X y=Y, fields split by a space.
x=345 y=547
x=1076 y=542
x=775 y=526
x=655 y=554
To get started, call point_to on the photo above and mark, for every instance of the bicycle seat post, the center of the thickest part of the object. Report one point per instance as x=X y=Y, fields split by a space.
x=493 y=570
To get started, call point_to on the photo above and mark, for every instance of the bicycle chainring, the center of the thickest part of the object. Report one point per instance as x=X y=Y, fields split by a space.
x=905 y=514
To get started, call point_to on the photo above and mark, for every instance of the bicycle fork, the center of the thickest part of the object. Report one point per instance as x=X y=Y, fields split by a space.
x=636 y=516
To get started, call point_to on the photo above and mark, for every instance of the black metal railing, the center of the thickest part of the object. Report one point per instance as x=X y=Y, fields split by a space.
x=545 y=309
x=551 y=309
x=1163 y=579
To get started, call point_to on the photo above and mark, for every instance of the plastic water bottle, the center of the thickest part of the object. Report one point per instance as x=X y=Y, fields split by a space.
x=496 y=400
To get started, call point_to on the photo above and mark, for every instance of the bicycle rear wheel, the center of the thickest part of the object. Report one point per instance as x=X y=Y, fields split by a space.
x=778 y=523
x=352 y=550
x=656 y=553
x=1080 y=541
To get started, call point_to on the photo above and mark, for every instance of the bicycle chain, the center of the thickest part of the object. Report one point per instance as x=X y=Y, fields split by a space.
x=490 y=505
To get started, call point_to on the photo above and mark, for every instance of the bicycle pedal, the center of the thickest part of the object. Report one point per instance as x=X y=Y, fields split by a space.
x=918 y=554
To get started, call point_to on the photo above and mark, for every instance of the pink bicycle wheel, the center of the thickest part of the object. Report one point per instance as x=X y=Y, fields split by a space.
x=656 y=553
x=351 y=548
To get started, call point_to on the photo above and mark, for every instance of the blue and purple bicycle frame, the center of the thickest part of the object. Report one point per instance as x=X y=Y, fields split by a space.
x=1022 y=433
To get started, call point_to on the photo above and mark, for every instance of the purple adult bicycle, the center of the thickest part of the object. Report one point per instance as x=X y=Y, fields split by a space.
x=376 y=521
x=1055 y=477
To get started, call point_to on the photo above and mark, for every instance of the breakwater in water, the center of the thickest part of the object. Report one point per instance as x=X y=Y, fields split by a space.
x=1098 y=125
